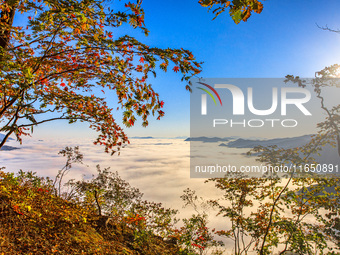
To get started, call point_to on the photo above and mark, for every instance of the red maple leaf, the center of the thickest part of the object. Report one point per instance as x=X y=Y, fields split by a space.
x=176 y=69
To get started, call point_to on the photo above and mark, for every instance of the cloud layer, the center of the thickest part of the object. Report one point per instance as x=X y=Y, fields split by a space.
x=158 y=167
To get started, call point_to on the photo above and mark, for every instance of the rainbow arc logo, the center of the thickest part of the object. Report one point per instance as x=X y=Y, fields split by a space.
x=209 y=93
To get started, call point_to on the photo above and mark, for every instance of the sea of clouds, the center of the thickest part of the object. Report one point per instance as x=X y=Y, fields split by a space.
x=160 y=168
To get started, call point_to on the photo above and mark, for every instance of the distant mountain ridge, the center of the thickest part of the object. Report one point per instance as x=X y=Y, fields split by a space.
x=207 y=139
x=151 y=137
x=142 y=137
x=289 y=142
x=328 y=154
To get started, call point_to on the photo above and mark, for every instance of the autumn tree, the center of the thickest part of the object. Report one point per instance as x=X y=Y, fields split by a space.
x=60 y=58
x=67 y=49
x=277 y=215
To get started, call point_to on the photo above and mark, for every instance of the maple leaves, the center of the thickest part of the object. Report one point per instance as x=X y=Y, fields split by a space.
x=176 y=69
x=238 y=10
x=68 y=50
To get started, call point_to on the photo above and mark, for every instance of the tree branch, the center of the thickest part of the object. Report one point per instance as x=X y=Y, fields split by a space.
x=97 y=202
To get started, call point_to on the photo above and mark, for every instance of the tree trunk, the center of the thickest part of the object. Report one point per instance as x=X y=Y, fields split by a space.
x=6 y=21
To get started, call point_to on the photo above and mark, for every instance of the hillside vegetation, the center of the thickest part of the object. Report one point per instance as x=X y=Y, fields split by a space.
x=104 y=215
x=35 y=221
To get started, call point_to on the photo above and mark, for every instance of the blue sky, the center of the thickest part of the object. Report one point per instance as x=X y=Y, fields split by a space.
x=283 y=39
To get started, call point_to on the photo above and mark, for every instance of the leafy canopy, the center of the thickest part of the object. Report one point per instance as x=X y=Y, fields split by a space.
x=60 y=57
